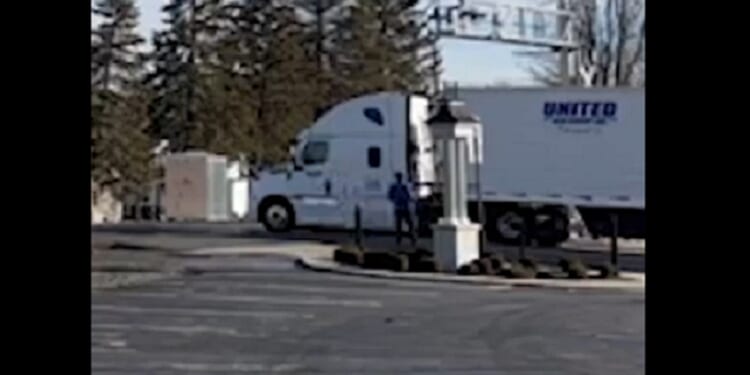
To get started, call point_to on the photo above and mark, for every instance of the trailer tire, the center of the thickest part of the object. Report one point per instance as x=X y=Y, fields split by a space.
x=504 y=225
x=276 y=215
x=553 y=229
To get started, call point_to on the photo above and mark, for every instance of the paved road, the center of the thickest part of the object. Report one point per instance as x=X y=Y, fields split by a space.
x=261 y=315
x=239 y=234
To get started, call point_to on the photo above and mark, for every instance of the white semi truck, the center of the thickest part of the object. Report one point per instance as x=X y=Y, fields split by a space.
x=543 y=156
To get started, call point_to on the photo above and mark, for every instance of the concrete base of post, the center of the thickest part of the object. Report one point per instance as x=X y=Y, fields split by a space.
x=455 y=244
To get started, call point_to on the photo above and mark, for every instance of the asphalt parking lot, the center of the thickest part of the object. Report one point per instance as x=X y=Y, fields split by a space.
x=267 y=316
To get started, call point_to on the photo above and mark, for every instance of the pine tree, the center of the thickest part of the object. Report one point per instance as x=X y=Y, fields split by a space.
x=273 y=71
x=181 y=76
x=320 y=19
x=120 y=154
x=382 y=46
x=115 y=58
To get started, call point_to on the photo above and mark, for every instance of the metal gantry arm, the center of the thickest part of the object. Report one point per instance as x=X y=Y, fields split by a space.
x=496 y=22
x=493 y=22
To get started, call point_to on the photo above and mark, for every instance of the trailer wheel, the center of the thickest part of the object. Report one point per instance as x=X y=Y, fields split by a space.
x=277 y=215
x=551 y=227
x=505 y=226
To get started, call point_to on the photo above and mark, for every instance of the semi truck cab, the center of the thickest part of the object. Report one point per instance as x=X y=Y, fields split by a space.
x=348 y=157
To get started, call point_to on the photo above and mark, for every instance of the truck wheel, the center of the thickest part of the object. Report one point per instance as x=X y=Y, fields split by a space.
x=505 y=226
x=277 y=216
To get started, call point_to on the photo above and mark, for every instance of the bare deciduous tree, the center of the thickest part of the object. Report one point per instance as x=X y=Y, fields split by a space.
x=612 y=36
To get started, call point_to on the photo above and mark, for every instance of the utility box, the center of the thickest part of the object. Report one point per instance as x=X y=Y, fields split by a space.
x=196 y=187
x=239 y=191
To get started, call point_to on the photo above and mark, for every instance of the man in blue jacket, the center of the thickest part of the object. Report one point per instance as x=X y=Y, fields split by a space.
x=399 y=195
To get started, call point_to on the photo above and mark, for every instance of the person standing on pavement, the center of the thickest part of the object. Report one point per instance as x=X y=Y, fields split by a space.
x=399 y=195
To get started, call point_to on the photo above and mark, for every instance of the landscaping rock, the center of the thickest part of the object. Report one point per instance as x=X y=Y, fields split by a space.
x=469 y=269
x=349 y=255
x=520 y=271
x=574 y=268
x=529 y=263
x=385 y=260
x=424 y=264
x=605 y=271
x=498 y=262
x=486 y=267
x=544 y=272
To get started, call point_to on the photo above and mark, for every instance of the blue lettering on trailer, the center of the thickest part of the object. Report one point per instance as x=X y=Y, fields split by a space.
x=580 y=112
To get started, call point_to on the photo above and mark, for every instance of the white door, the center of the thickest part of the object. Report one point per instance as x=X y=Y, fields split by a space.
x=318 y=199
x=368 y=177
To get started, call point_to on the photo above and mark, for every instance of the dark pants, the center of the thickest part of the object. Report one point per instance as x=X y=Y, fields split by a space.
x=405 y=216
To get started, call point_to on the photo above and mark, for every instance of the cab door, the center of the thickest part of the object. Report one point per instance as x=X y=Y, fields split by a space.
x=368 y=176
x=318 y=195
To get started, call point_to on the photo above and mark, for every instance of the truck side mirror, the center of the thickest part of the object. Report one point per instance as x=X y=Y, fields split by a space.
x=293 y=155
x=294 y=162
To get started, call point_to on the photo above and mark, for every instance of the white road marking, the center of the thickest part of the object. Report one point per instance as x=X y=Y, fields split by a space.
x=106 y=350
x=108 y=343
x=203 y=367
x=200 y=312
x=103 y=335
x=307 y=301
x=498 y=287
x=187 y=330
x=393 y=292
x=307 y=289
x=117 y=343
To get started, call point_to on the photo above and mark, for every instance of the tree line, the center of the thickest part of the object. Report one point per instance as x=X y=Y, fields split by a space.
x=239 y=77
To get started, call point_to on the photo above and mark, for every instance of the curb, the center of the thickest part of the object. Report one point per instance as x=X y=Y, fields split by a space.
x=223 y=228
x=621 y=252
x=628 y=283
x=602 y=246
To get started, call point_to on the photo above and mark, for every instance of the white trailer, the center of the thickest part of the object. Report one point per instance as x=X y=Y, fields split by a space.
x=544 y=154
x=550 y=150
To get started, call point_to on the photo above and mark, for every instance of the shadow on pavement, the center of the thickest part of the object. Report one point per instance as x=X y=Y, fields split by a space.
x=372 y=240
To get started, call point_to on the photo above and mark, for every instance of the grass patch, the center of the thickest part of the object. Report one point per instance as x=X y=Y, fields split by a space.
x=574 y=268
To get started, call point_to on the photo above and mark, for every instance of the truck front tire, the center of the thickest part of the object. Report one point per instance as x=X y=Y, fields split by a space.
x=276 y=215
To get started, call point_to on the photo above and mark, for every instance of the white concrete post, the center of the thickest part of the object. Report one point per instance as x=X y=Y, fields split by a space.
x=456 y=240
x=461 y=183
x=450 y=202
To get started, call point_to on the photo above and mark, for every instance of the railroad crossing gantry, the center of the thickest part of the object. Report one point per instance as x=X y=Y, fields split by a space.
x=503 y=22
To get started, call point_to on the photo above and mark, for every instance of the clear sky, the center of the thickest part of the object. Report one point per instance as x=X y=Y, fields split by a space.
x=465 y=62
